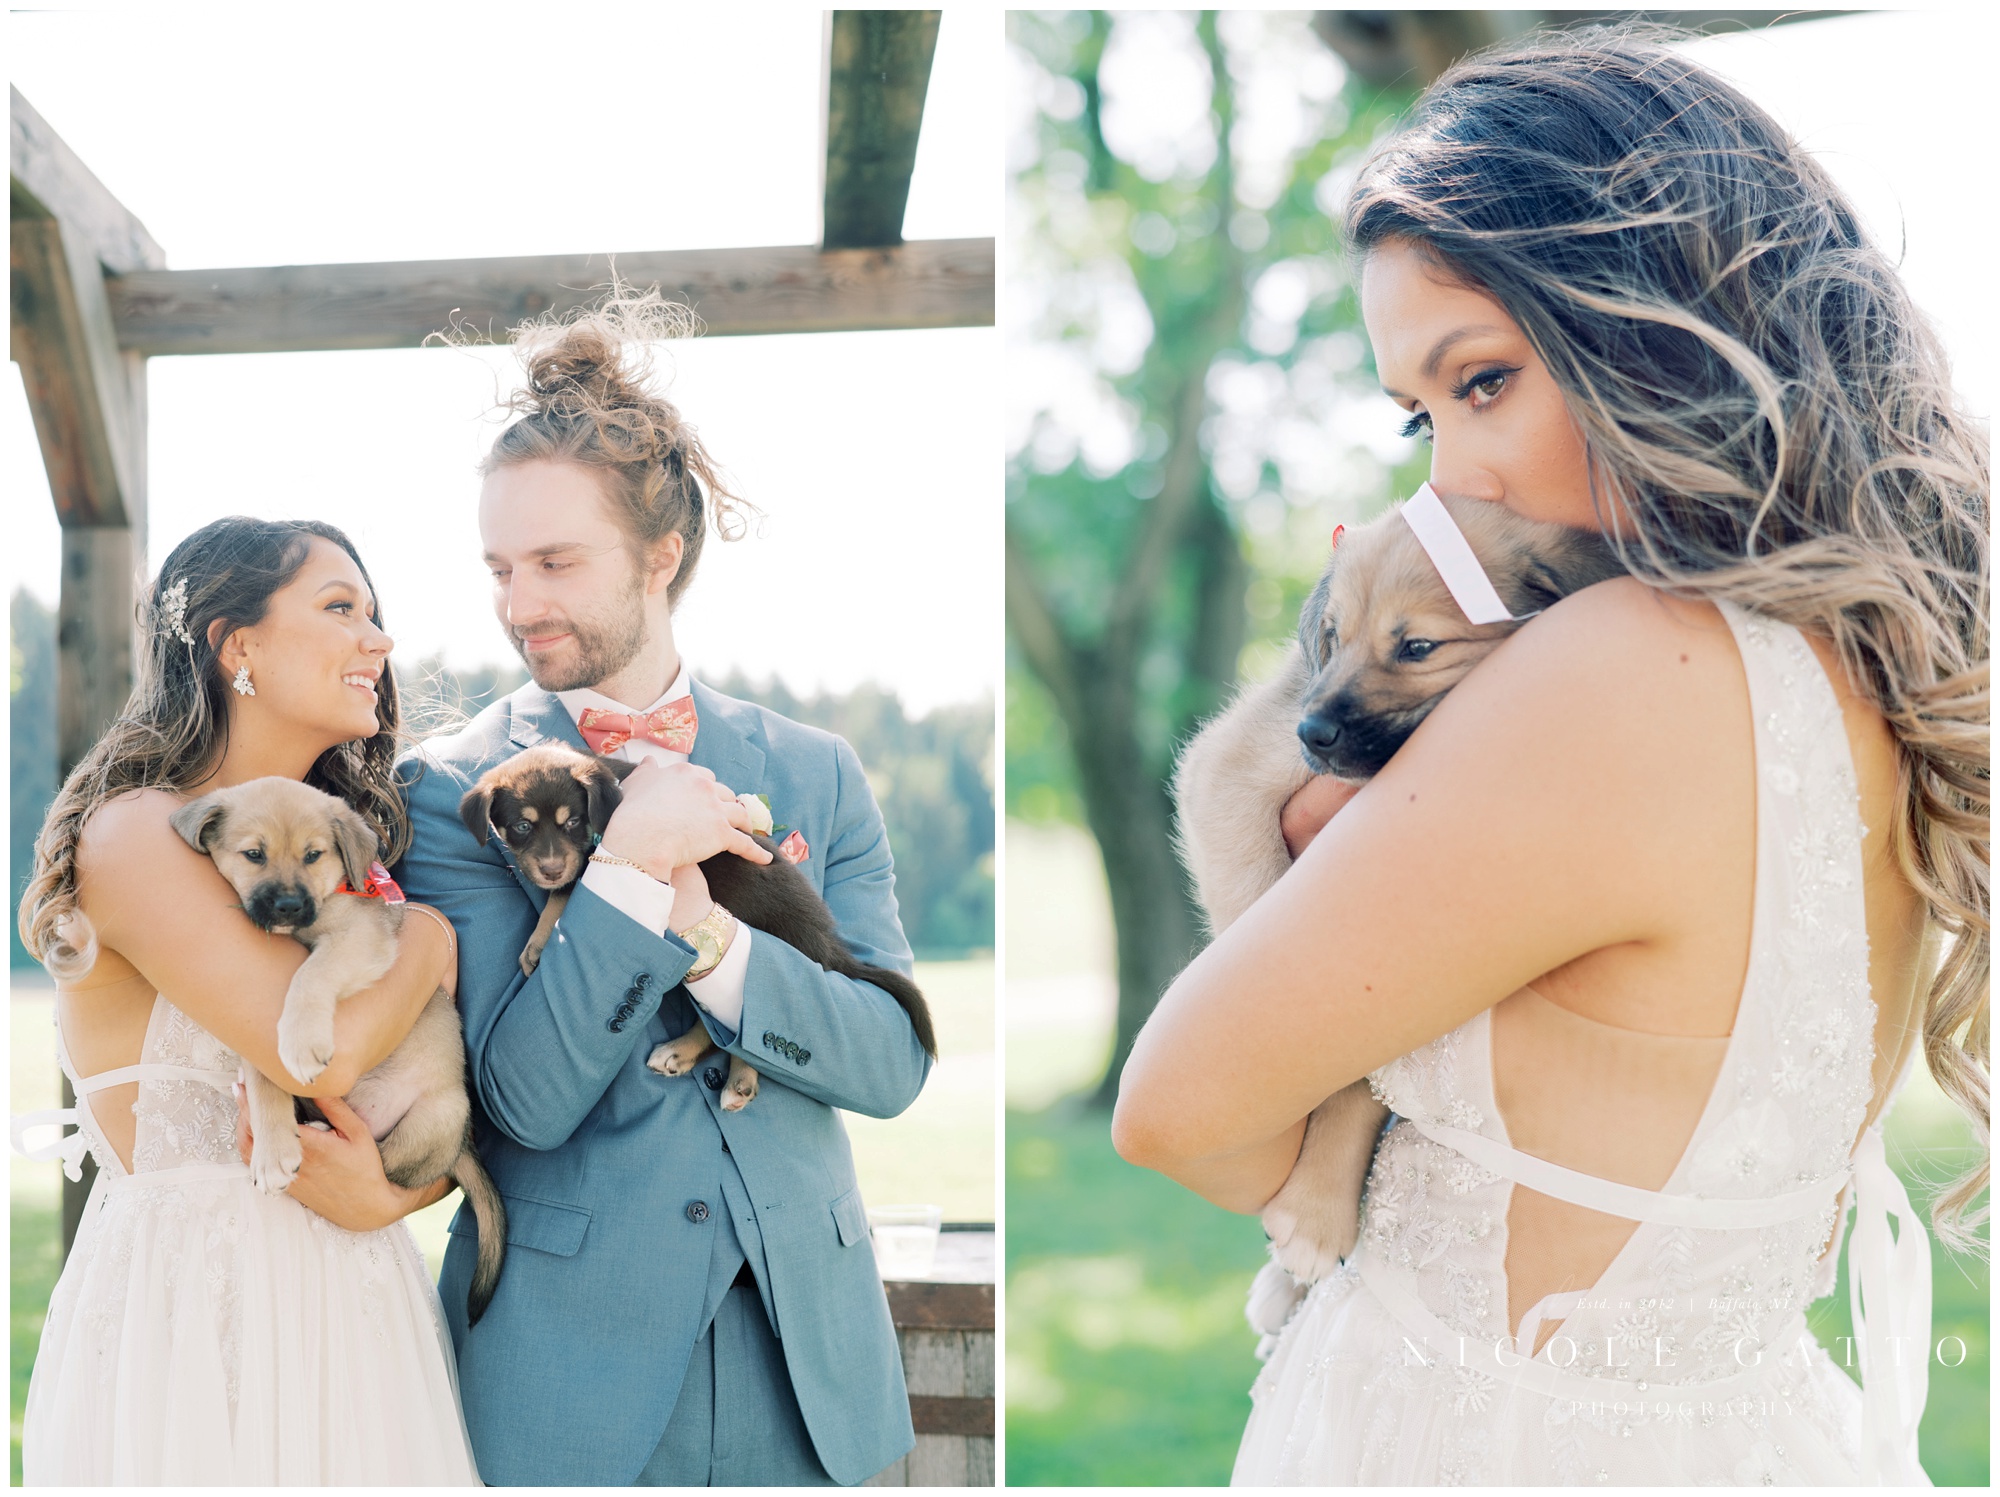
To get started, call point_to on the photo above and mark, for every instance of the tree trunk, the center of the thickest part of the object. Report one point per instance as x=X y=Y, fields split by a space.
x=1131 y=818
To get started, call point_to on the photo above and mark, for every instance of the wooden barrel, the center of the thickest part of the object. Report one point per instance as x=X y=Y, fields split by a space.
x=944 y=1324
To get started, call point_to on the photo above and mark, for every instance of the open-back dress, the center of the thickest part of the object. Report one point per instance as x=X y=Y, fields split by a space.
x=204 y=1333
x=1689 y=1361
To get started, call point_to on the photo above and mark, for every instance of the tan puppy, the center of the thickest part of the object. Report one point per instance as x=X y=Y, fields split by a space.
x=295 y=855
x=1381 y=641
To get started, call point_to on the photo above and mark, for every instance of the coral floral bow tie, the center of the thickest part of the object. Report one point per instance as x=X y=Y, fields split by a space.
x=671 y=727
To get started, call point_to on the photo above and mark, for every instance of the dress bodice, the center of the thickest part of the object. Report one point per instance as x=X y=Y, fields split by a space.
x=185 y=1114
x=1726 y=1257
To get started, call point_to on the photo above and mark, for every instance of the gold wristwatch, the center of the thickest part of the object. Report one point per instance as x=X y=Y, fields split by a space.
x=710 y=937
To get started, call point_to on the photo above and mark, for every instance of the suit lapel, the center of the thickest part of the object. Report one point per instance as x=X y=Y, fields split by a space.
x=535 y=716
x=720 y=745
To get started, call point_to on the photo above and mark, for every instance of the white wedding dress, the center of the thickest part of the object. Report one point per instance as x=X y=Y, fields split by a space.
x=1689 y=1362
x=206 y=1334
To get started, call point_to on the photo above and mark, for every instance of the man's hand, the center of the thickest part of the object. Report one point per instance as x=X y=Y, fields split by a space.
x=342 y=1177
x=1311 y=807
x=675 y=814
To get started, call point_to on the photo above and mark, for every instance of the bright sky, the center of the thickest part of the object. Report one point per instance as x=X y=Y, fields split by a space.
x=359 y=133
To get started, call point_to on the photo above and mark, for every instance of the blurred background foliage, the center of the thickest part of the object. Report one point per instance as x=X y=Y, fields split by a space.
x=933 y=775
x=1193 y=411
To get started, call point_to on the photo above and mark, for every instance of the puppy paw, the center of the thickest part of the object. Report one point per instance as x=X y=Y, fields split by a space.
x=1274 y=1294
x=677 y=1057
x=1309 y=1236
x=531 y=958
x=275 y=1159
x=305 y=1046
x=741 y=1090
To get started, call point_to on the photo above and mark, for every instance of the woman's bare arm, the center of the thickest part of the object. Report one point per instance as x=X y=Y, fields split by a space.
x=166 y=909
x=1543 y=812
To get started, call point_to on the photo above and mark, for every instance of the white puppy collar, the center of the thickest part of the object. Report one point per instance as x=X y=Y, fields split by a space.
x=1451 y=554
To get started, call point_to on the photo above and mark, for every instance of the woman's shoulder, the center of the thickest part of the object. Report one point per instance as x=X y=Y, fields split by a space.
x=1617 y=675
x=135 y=823
x=1614 y=659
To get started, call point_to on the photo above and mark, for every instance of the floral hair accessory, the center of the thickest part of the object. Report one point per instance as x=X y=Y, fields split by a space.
x=173 y=605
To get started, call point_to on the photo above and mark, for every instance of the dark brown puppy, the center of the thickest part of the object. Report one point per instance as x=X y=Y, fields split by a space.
x=550 y=804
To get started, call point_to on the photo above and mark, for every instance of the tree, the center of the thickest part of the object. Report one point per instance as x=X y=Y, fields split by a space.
x=1181 y=280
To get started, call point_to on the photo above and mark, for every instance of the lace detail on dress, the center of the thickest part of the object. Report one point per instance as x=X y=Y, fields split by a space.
x=156 y=1289
x=183 y=1121
x=1678 y=1306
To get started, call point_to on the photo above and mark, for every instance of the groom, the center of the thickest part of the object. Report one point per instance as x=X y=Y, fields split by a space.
x=689 y=1295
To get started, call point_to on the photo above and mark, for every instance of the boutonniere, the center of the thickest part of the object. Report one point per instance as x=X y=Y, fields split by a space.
x=793 y=847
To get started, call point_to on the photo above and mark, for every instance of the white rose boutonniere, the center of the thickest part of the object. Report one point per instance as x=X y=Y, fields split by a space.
x=760 y=813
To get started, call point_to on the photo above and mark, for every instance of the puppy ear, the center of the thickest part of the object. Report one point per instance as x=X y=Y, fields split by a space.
x=357 y=844
x=601 y=794
x=475 y=809
x=199 y=820
x=1312 y=618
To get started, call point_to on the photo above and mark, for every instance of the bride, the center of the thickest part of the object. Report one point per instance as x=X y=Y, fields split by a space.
x=1639 y=934
x=204 y=1333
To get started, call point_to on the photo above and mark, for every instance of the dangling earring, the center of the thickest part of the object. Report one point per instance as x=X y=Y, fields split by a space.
x=242 y=682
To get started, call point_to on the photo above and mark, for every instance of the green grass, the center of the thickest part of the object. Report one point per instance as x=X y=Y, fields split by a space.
x=32 y=1231
x=1128 y=1359
x=1129 y=1362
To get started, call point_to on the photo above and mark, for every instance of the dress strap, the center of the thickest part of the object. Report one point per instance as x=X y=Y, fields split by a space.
x=1629 y=1201
x=69 y=1148
x=152 y=1071
x=1889 y=1294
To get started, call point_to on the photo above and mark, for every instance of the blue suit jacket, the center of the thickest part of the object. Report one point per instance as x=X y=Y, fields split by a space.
x=571 y=1375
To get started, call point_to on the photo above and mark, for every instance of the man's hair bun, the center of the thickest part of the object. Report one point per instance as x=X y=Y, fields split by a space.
x=587 y=399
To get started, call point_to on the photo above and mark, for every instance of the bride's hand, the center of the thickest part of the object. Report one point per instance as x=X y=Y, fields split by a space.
x=1311 y=807
x=342 y=1177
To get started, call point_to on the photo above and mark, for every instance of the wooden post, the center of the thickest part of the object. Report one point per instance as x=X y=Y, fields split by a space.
x=88 y=398
x=878 y=69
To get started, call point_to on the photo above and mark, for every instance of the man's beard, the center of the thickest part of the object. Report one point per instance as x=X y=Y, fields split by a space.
x=605 y=643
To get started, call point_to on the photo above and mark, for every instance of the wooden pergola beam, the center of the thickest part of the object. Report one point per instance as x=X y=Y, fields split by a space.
x=66 y=230
x=88 y=399
x=398 y=304
x=49 y=181
x=878 y=69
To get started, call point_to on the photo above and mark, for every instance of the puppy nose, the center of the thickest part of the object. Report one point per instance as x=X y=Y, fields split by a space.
x=288 y=904
x=552 y=869
x=1320 y=732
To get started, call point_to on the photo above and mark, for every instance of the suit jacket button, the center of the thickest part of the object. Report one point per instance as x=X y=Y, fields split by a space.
x=617 y=1025
x=697 y=1212
x=641 y=981
x=713 y=1078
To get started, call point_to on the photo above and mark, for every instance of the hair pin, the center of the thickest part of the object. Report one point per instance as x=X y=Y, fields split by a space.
x=173 y=604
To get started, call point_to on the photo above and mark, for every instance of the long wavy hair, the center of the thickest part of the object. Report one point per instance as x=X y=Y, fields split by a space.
x=175 y=728
x=1772 y=413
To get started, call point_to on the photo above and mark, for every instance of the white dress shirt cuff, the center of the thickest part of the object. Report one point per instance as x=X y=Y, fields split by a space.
x=633 y=893
x=721 y=992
